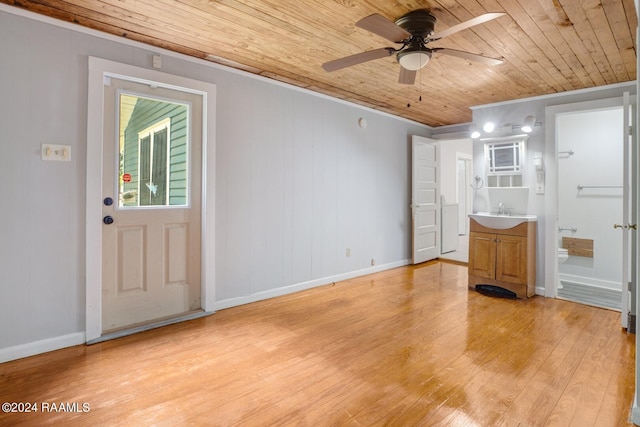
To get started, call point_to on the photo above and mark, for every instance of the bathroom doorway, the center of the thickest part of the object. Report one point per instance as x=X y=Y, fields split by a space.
x=589 y=204
x=590 y=199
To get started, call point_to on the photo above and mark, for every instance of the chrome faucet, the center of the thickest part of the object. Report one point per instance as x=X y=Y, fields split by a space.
x=501 y=209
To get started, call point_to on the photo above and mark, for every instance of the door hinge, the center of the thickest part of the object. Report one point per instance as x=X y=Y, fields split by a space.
x=630 y=130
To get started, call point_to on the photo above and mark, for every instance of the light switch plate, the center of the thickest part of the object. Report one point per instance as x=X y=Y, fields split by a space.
x=61 y=153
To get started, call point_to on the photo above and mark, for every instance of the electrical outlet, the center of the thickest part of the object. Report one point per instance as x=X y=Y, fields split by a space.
x=373 y=262
x=61 y=153
x=348 y=252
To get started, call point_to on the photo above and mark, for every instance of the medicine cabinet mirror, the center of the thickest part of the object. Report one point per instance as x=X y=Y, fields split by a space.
x=505 y=160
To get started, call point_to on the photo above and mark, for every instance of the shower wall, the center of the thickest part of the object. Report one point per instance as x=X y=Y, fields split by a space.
x=595 y=137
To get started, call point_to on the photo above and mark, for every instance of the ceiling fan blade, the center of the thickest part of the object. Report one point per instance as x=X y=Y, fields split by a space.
x=464 y=25
x=467 y=55
x=407 y=77
x=358 y=58
x=381 y=26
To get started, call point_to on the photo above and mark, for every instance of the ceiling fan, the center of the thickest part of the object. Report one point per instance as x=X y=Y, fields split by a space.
x=413 y=31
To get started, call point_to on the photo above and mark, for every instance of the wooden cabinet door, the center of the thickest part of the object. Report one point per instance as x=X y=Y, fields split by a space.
x=511 y=263
x=482 y=255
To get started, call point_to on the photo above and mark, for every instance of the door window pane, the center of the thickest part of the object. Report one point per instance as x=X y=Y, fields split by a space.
x=153 y=154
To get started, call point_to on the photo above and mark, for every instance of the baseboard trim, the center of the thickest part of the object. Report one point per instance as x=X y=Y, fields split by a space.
x=63 y=341
x=42 y=346
x=148 y=326
x=271 y=293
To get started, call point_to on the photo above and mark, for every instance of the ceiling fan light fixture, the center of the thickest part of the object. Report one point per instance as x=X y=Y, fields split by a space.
x=413 y=60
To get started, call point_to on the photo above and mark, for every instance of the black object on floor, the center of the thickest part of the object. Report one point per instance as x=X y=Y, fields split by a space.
x=496 y=291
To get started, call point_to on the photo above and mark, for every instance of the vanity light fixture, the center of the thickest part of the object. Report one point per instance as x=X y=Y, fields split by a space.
x=529 y=123
x=489 y=127
x=474 y=132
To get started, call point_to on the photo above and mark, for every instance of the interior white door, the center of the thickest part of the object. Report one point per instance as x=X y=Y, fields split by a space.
x=425 y=199
x=151 y=232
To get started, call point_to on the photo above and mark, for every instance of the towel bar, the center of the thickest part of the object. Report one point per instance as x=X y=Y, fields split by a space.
x=580 y=186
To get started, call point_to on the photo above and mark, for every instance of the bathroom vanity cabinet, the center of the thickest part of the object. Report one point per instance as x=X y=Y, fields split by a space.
x=503 y=257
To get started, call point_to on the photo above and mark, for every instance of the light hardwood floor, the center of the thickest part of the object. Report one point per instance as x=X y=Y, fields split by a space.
x=409 y=346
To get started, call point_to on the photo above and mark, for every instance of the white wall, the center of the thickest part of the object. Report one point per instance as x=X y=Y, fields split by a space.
x=297 y=182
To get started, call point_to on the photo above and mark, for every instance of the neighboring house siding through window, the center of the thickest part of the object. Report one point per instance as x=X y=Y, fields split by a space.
x=154 y=154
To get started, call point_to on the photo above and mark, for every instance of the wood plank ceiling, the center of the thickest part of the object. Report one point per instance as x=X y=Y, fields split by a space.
x=548 y=46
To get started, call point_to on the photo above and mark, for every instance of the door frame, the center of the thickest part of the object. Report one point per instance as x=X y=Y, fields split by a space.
x=467 y=195
x=551 y=193
x=99 y=70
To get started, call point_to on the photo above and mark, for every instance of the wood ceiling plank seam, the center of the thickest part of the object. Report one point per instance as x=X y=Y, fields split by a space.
x=83 y=10
x=522 y=62
x=251 y=48
x=232 y=52
x=554 y=11
x=497 y=32
x=471 y=40
x=474 y=42
x=474 y=83
x=488 y=70
x=516 y=55
x=629 y=8
x=588 y=37
x=114 y=16
x=312 y=31
x=392 y=10
x=619 y=22
x=270 y=18
x=599 y=20
x=531 y=50
x=539 y=23
x=257 y=29
x=109 y=25
x=306 y=15
x=576 y=44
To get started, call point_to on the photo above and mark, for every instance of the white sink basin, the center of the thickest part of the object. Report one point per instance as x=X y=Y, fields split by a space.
x=501 y=222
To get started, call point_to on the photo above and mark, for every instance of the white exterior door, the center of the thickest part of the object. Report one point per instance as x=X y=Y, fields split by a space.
x=425 y=199
x=151 y=203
